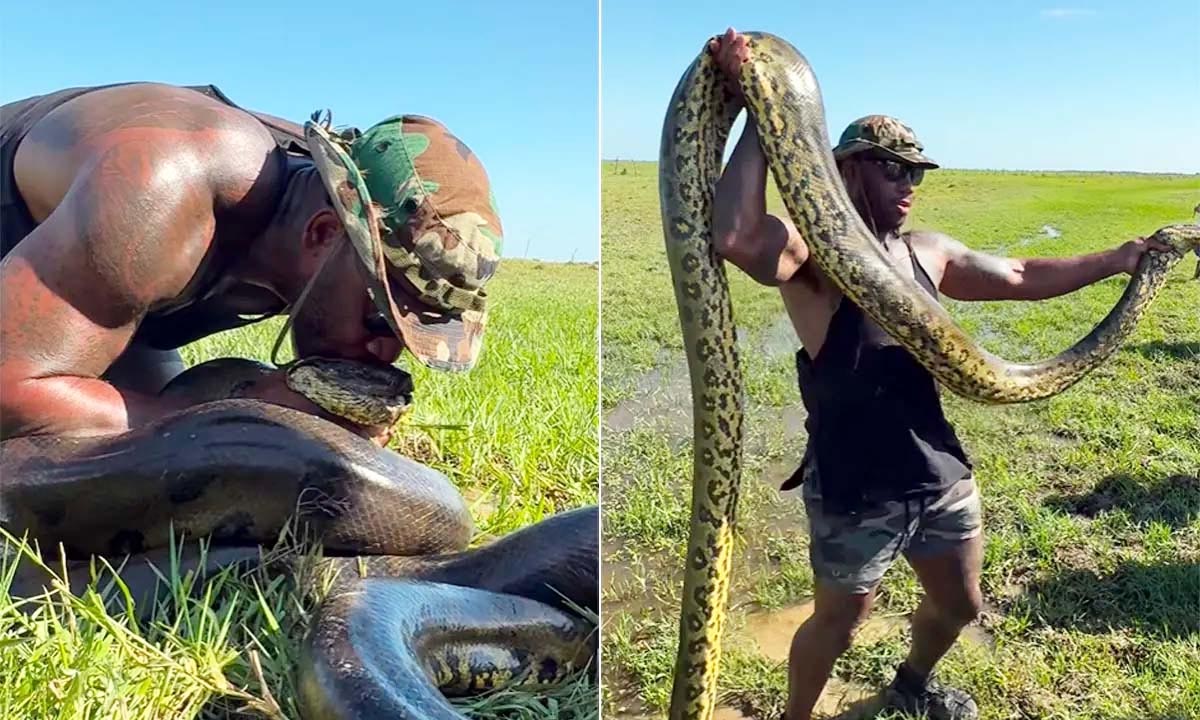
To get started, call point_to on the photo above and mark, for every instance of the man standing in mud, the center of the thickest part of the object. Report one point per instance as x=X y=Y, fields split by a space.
x=883 y=472
x=140 y=217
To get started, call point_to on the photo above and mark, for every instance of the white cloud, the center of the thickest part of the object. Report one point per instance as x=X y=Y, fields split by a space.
x=1060 y=13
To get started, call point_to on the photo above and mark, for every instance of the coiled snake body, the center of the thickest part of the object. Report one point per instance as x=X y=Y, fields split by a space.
x=783 y=100
x=413 y=615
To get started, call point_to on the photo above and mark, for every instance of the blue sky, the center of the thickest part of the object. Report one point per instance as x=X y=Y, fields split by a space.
x=1006 y=85
x=516 y=81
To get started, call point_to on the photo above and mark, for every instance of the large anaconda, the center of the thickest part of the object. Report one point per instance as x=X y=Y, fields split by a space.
x=784 y=101
x=413 y=616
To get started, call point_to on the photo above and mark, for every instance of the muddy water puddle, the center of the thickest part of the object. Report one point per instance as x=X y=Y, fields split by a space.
x=661 y=398
x=635 y=585
x=977 y=635
x=772 y=630
x=661 y=403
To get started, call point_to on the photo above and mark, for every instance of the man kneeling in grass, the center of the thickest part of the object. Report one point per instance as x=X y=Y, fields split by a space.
x=884 y=472
x=137 y=218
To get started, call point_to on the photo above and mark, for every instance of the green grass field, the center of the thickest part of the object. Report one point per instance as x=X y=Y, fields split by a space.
x=1091 y=498
x=518 y=435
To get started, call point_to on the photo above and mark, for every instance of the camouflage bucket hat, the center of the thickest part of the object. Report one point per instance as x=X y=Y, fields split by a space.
x=885 y=135
x=418 y=208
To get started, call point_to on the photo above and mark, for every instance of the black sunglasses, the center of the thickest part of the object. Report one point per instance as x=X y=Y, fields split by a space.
x=896 y=171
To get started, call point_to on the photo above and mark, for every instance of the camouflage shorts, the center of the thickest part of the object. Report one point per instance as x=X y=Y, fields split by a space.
x=854 y=551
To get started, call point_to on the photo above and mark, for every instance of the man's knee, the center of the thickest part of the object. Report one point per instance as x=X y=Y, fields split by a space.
x=961 y=608
x=971 y=606
x=840 y=614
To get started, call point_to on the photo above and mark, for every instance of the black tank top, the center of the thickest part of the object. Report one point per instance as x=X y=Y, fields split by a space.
x=876 y=430
x=168 y=326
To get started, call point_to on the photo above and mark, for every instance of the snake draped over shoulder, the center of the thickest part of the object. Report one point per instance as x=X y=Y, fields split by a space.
x=784 y=101
x=413 y=615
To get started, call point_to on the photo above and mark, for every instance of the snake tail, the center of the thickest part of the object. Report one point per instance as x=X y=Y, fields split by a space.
x=553 y=561
x=697 y=124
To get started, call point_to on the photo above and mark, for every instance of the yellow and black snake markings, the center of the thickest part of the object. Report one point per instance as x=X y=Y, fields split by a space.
x=784 y=101
x=415 y=607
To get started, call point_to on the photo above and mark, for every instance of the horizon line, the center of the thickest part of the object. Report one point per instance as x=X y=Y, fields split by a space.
x=1181 y=173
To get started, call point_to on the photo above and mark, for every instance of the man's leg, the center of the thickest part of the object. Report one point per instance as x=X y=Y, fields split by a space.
x=947 y=555
x=849 y=555
x=952 y=601
x=820 y=641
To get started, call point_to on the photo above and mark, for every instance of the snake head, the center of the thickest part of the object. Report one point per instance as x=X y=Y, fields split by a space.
x=367 y=394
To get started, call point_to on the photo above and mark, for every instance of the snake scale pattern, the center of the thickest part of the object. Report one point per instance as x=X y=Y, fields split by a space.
x=784 y=100
x=413 y=614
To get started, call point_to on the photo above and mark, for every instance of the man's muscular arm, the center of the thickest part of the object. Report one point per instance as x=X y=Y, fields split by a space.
x=973 y=275
x=766 y=247
x=128 y=234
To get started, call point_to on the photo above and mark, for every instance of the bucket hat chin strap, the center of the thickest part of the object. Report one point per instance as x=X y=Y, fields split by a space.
x=295 y=307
